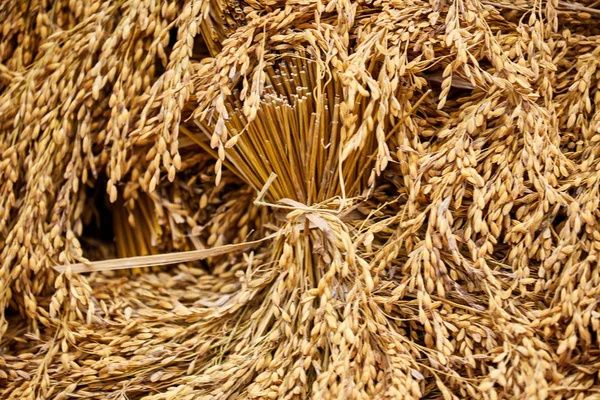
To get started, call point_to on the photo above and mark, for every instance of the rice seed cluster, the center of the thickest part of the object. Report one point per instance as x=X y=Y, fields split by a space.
x=417 y=180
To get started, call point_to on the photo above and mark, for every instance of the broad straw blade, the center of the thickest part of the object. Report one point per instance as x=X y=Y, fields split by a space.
x=158 y=259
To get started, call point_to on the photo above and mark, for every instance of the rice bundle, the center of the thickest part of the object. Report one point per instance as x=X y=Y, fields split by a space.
x=375 y=199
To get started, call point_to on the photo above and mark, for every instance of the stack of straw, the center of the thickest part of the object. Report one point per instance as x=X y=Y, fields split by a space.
x=388 y=199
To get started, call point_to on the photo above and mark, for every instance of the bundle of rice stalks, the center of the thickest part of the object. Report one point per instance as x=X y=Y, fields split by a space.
x=389 y=199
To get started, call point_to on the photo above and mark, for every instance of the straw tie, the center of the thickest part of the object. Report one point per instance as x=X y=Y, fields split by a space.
x=330 y=221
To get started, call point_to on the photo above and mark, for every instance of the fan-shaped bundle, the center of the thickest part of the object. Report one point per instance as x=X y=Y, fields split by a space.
x=306 y=199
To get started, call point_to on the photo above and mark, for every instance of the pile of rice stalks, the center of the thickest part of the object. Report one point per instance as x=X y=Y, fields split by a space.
x=389 y=199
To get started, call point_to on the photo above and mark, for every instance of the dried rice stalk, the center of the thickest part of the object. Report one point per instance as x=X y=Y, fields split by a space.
x=428 y=172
